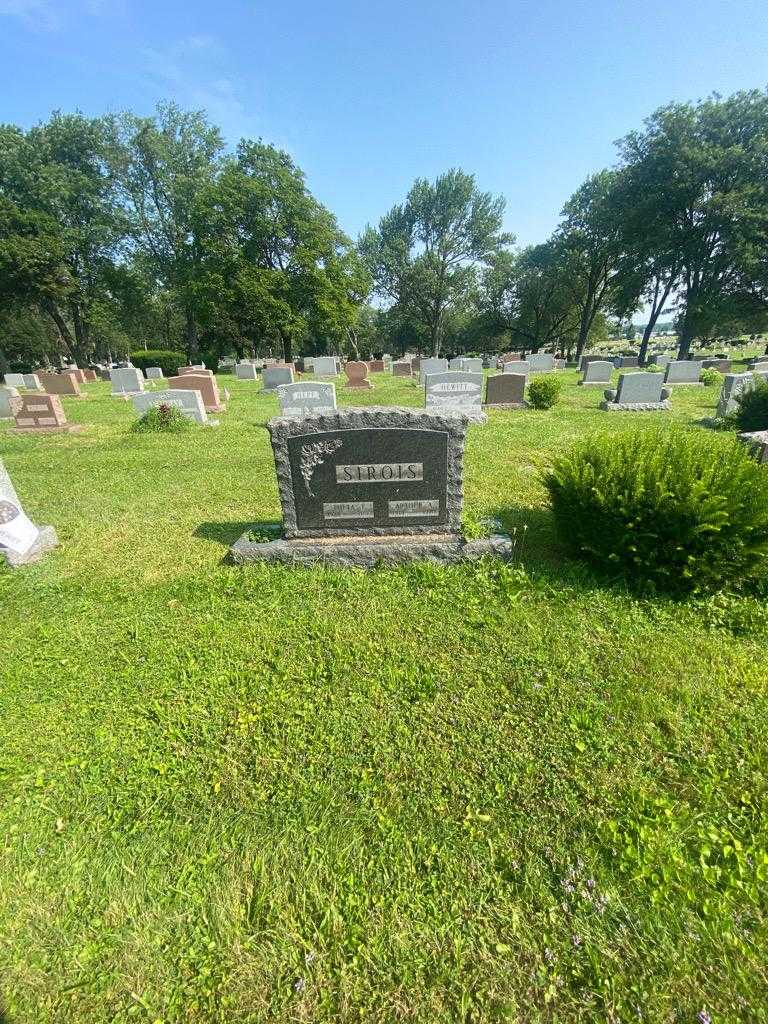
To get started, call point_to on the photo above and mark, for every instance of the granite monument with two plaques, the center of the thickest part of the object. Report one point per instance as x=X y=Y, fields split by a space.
x=21 y=542
x=455 y=389
x=312 y=396
x=364 y=486
x=190 y=403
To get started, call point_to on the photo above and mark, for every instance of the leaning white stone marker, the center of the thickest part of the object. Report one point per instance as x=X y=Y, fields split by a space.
x=21 y=541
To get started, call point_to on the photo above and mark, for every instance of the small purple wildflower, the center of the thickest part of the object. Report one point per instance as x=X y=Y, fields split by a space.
x=549 y=956
x=576 y=940
x=703 y=1017
x=299 y=985
x=591 y=883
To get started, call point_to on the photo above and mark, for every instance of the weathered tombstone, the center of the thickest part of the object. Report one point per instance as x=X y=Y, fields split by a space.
x=360 y=487
x=626 y=362
x=325 y=366
x=203 y=382
x=428 y=366
x=541 y=362
x=61 y=384
x=376 y=366
x=402 y=368
x=454 y=389
x=416 y=364
x=14 y=380
x=43 y=413
x=154 y=373
x=734 y=385
x=79 y=374
x=757 y=443
x=473 y=364
x=683 y=371
x=90 y=376
x=126 y=380
x=245 y=371
x=7 y=398
x=517 y=366
x=597 y=373
x=506 y=391
x=273 y=376
x=182 y=370
x=721 y=365
x=637 y=392
x=21 y=542
x=312 y=396
x=189 y=402
x=357 y=375
x=457 y=363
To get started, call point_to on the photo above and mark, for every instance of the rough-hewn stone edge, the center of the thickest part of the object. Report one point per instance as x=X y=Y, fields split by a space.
x=352 y=552
x=46 y=541
x=636 y=406
x=452 y=421
x=756 y=442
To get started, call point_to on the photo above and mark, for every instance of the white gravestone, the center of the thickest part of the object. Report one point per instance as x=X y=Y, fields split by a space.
x=455 y=389
x=597 y=372
x=245 y=371
x=32 y=382
x=154 y=373
x=306 y=397
x=325 y=366
x=541 y=362
x=521 y=366
x=683 y=371
x=190 y=402
x=20 y=540
x=7 y=395
x=274 y=376
x=428 y=366
x=14 y=380
x=126 y=380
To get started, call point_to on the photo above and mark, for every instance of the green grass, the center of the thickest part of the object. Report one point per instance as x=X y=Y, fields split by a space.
x=469 y=794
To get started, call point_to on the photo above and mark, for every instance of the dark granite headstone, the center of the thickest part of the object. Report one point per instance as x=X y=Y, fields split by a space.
x=506 y=390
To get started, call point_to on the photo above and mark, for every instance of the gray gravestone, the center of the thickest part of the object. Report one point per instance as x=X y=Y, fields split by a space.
x=541 y=362
x=473 y=364
x=597 y=372
x=306 y=397
x=14 y=380
x=369 y=486
x=190 y=402
x=591 y=358
x=734 y=385
x=21 y=541
x=7 y=395
x=625 y=362
x=432 y=366
x=683 y=371
x=274 y=376
x=757 y=443
x=126 y=380
x=454 y=389
x=662 y=360
x=154 y=373
x=518 y=366
x=245 y=371
x=506 y=390
x=637 y=392
x=325 y=366
x=402 y=368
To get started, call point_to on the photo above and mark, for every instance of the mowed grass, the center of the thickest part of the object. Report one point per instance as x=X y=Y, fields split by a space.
x=470 y=794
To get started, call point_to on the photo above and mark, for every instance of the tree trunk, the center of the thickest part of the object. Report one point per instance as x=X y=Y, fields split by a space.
x=193 y=347
x=584 y=325
x=82 y=346
x=686 y=337
x=65 y=335
x=287 y=347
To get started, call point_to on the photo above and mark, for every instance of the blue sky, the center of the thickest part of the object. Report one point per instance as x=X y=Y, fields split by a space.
x=366 y=96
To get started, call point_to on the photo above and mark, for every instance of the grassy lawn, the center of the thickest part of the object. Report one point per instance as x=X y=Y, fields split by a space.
x=470 y=794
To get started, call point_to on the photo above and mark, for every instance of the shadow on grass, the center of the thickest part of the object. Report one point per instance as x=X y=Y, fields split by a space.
x=222 y=533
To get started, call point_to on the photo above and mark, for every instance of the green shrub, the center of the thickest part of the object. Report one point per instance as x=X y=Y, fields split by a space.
x=653 y=368
x=544 y=392
x=677 y=512
x=710 y=376
x=752 y=411
x=162 y=419
x=168 y=360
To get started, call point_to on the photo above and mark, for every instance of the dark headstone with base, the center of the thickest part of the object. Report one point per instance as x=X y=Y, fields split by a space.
x=506 y=391
x=370 y=485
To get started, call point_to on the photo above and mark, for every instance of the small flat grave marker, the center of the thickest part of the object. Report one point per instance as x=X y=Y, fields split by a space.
x=307 y=397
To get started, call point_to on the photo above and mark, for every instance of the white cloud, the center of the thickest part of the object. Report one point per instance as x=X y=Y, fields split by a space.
x=39 y=14
x=193 y=71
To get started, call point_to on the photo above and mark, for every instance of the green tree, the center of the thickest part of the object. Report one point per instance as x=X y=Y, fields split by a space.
x=698 y=179
x=62 y=227
x=167 y=167
x=425 y=253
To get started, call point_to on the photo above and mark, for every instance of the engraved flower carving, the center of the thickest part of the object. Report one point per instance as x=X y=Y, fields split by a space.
x=312 y=456
x=8 y=512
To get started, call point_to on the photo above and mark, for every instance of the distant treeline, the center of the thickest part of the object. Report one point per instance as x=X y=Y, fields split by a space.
x=124 y=232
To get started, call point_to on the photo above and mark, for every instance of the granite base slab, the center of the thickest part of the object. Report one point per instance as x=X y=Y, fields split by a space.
x=369 y=552
x=684 y=384
x=506 y=405
x=67 y=428
x=46 y=541
x=636 y=406
x=594 y=384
